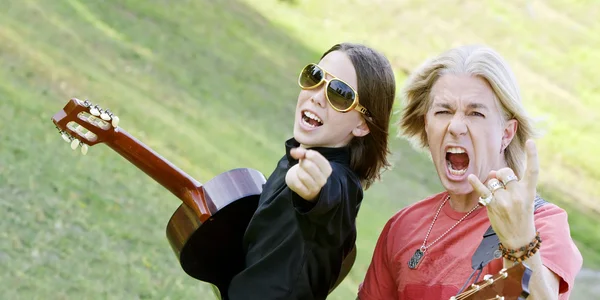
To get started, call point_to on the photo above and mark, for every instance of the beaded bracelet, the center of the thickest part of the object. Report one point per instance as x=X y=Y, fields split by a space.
x=530 y=249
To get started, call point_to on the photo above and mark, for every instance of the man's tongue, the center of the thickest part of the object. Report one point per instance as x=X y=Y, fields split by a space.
x=458 y=161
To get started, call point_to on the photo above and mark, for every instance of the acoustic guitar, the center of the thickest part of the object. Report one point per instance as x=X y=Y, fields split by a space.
x=508 y=284
x=207 y=229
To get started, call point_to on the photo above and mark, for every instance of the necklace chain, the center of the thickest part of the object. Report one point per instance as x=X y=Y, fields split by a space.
x=423 y=247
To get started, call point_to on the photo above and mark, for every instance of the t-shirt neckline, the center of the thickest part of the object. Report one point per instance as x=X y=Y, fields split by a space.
x=456 y=215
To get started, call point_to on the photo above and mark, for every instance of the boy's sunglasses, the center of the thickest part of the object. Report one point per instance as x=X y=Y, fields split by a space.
x=340 y=95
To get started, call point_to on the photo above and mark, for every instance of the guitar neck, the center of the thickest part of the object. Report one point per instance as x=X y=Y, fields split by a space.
x=183 y=186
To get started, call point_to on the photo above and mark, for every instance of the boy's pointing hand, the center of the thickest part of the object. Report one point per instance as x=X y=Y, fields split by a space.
x=310 y=174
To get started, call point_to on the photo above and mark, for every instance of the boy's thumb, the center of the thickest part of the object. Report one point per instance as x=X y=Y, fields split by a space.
x=298 y=153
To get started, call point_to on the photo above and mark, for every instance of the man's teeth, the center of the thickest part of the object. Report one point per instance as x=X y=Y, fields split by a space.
x=455 y=172
x=312 y=116
x=456 y=150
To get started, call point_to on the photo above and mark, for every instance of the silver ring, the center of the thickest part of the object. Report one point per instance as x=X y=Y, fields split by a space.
x=485 y=201
x=494 y=185
x=509 y=178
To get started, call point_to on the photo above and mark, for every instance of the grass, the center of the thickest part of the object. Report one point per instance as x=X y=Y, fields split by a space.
x=211 y=86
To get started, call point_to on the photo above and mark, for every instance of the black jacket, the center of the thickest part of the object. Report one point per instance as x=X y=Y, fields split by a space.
x=294 y=248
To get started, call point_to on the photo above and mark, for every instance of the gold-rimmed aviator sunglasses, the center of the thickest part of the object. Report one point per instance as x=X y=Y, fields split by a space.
x=340 y=95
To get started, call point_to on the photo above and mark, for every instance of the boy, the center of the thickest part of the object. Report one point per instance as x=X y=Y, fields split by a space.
x=305 y=221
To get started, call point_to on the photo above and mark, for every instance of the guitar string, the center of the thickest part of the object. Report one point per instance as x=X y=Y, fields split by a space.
x=472 y=291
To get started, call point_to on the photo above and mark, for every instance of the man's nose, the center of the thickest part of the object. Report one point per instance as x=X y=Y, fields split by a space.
x=457 y=126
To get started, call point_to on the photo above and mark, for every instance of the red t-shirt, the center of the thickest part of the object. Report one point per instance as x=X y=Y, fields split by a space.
x=447 y=264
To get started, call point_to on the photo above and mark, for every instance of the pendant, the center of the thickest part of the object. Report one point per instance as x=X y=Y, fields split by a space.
x=415 y=259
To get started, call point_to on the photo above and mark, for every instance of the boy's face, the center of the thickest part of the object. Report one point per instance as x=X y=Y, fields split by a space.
x=335 y=129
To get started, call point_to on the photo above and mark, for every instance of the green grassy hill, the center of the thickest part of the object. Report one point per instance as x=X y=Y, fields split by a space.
x=211 y=85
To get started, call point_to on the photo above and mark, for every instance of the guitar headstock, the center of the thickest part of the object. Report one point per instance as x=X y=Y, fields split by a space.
x=84 y=124
x=508 y=284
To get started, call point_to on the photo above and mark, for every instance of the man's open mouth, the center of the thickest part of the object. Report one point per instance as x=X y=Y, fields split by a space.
x=457 y=160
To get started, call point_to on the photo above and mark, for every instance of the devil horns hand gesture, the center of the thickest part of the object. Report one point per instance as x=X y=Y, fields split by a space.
x=510 y=201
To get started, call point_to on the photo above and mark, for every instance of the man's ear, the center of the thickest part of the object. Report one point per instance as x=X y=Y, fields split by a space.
x=510 y=129
x=361 y=130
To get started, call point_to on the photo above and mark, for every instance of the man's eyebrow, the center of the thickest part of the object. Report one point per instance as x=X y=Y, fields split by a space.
x=472 y=105
x=443 y=105
x=475 y=105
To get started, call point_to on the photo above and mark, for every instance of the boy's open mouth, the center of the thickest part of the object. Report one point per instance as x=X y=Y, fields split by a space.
x=311 y=119
x=457 y=160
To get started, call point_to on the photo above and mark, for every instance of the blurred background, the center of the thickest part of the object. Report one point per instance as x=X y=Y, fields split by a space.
x=211 y=86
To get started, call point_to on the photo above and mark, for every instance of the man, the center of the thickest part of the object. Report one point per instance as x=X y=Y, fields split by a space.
x=464 y=106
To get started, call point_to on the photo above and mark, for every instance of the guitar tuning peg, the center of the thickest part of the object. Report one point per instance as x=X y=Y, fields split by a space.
x=95 y=110
x=74 y=144
x=489 y=278
x=84 y=149
x=115 y=121
x=65 y=137
x=105 y=115
x=87 y=103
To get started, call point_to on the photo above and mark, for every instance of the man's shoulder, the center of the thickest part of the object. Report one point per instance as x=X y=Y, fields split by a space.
x=542 y=207
x=540 y=202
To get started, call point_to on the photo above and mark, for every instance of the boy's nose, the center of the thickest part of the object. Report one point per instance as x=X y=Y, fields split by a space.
x=318 y=98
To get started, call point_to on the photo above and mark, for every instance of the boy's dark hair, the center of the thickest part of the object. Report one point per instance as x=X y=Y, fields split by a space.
x=377 y=91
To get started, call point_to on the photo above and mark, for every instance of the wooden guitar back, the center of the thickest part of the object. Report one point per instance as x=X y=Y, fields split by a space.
x=211 y=251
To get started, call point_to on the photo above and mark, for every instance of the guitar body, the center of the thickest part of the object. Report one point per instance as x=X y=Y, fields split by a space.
x=211 y=251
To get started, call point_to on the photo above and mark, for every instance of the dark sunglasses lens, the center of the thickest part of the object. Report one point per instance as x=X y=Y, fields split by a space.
x=341 y=96
x=311 y=76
